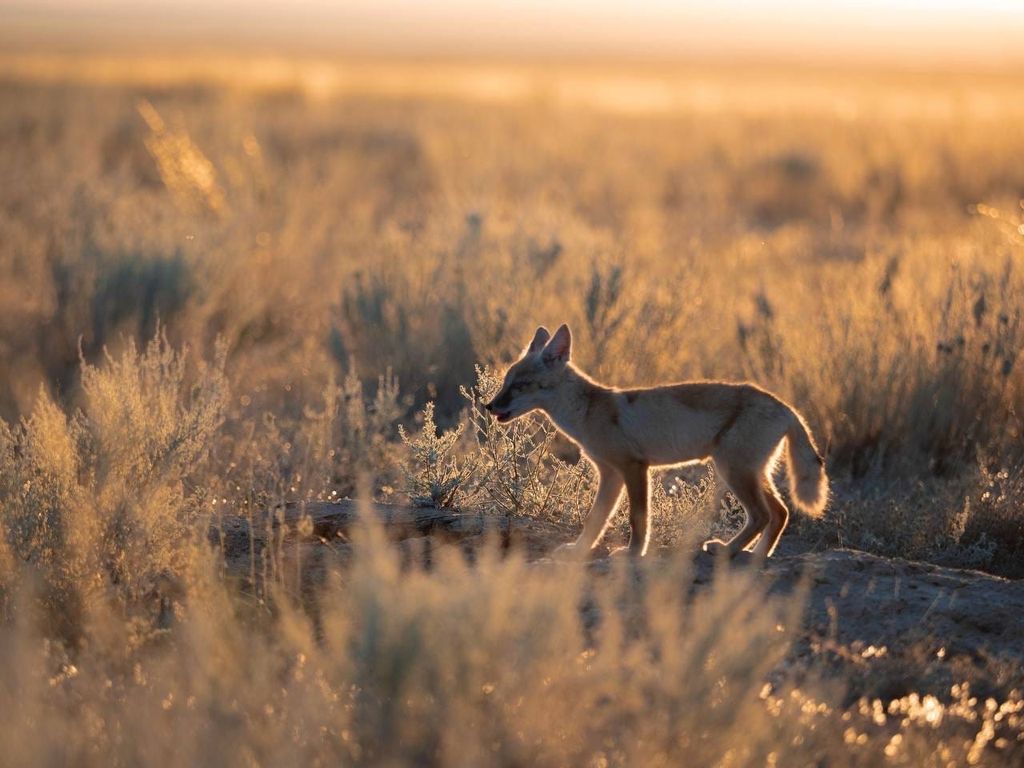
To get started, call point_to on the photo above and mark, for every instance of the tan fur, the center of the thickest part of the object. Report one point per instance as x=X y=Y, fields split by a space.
x=624 y=432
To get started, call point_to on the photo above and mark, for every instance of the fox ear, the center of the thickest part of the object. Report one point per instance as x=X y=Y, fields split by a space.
x=540 y=338
x=559 y=348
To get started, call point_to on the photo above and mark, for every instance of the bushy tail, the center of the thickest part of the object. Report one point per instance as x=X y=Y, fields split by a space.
x=807 y=479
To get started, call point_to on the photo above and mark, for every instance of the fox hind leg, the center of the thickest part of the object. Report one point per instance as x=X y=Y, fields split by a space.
x=639 y=522
x=746 y=487
x=779 y=518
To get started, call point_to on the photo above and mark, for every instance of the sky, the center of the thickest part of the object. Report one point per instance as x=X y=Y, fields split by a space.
x=934 y=30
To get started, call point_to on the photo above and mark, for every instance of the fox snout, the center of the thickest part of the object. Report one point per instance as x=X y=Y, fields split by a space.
x=500 y=411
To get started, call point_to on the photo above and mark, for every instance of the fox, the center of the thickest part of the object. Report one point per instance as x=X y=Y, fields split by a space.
x=739 y=427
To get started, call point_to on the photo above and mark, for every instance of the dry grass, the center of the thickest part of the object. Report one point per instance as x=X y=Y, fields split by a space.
x=339 y=256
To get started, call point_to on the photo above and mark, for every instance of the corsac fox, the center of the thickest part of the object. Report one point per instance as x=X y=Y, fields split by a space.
x=624 y=432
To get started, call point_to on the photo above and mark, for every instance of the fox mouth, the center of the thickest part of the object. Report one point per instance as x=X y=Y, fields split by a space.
x=503 y=417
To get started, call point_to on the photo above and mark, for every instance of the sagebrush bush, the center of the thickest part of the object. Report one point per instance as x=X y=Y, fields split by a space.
x=106 y=503
x=524 y=468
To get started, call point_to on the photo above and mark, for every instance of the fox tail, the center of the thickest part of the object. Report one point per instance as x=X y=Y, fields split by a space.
x=807 y=479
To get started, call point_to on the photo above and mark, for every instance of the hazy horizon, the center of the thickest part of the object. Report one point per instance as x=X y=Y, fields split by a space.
x=906 y=31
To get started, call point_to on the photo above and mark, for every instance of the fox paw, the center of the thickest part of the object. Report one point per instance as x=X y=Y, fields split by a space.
x=714 y=546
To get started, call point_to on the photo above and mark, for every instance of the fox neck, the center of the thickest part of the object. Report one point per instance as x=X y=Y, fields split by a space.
x=570 y=403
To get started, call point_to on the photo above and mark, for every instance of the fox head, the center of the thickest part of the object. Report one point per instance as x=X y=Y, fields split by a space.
x=532 y=381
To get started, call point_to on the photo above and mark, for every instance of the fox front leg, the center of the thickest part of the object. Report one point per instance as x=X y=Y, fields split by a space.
x=609 y=489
